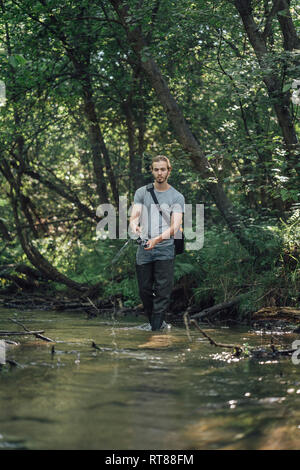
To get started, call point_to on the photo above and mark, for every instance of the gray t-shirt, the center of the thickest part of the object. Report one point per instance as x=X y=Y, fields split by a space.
x=151 y=221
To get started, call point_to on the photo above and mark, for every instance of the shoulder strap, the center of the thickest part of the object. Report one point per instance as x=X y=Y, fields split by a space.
x=150 y=188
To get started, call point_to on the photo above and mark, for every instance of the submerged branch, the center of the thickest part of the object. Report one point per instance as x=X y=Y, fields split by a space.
x=254 y=352
x=20 y=333
x=237 y=347
x=37 y=334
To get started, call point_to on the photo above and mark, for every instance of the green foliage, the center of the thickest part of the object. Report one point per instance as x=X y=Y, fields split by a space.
x=126 y=289
x=214 y=75
x=90 y=262
x=290 y=231
x=224 y=270
x=185 y=267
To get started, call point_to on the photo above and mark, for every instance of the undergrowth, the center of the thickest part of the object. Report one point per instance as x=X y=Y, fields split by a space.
x=217 y=273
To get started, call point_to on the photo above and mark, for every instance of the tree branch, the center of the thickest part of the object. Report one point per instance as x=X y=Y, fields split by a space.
x=272 y=14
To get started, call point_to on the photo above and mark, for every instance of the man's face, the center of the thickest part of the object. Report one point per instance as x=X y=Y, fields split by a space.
x=160 y=172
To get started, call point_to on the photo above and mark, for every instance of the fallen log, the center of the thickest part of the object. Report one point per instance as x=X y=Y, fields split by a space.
x=288 y=314
x=22 y=268
x=19 y=281
x=36 y=334
x=217 y=308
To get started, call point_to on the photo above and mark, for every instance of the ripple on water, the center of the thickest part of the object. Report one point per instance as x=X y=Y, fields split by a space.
x=143 y=390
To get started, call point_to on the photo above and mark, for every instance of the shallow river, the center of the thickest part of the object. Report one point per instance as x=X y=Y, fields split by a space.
x=143 y=390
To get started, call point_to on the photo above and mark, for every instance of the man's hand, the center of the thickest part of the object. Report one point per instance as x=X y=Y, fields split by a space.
x=175 y=224
x=151 y=244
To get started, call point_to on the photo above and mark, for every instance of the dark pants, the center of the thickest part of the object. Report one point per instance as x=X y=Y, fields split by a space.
x=155 y=282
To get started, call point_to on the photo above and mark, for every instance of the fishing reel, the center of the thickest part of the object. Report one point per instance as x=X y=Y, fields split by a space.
x=142 y=241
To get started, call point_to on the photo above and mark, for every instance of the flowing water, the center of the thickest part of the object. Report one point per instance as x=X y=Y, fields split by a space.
x=143 y=390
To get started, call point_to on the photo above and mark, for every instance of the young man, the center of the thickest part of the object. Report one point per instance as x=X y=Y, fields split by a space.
x=155 y=261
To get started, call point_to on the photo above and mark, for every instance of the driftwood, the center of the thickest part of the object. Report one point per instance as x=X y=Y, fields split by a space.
x=12 y=363
x=9 y=342
x=217 y=308
x=253 y=352
x=37 y=334
x=92 y=307
x=47 y=302
x=236 y=347
x=20 y=333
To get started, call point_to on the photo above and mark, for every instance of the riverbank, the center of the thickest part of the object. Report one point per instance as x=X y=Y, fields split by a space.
x=62 y=302
x=266 y=317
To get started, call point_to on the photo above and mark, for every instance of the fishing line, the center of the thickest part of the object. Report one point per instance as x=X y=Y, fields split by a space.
x=140 y=241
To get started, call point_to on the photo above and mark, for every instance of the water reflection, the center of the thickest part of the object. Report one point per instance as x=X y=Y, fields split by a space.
x=142 y=390
x=157 y=341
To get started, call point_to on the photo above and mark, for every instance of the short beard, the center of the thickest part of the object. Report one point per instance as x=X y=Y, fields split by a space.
x=161 y=182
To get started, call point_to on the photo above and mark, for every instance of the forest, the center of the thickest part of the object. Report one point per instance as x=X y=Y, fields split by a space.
x=92 y=90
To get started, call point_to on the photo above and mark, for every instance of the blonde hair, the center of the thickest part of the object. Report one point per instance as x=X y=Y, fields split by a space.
x=161 y=158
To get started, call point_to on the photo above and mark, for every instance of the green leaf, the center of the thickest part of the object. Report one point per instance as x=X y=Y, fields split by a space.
x=17 y=59
x=286 y=87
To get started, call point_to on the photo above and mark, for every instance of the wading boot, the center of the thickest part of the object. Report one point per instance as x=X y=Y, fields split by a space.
x=156 y=321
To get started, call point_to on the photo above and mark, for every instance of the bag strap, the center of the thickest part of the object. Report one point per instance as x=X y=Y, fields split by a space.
x=150 y=188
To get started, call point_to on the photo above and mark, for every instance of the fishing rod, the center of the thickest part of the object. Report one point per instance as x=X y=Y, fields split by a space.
x=140 y=241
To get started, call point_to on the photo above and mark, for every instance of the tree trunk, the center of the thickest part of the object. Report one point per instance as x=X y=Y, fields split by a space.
x=290 y=38
x=4 y=232
x=181 y=127
x=34 y=256
x=63 y=192
x=38 y=260
x=141 y=132
x=98 y=147
x=99 y=150
x=272 y=82
x=134 y=174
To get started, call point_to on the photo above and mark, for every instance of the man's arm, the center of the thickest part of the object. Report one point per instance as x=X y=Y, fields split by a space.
x=176 y=221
